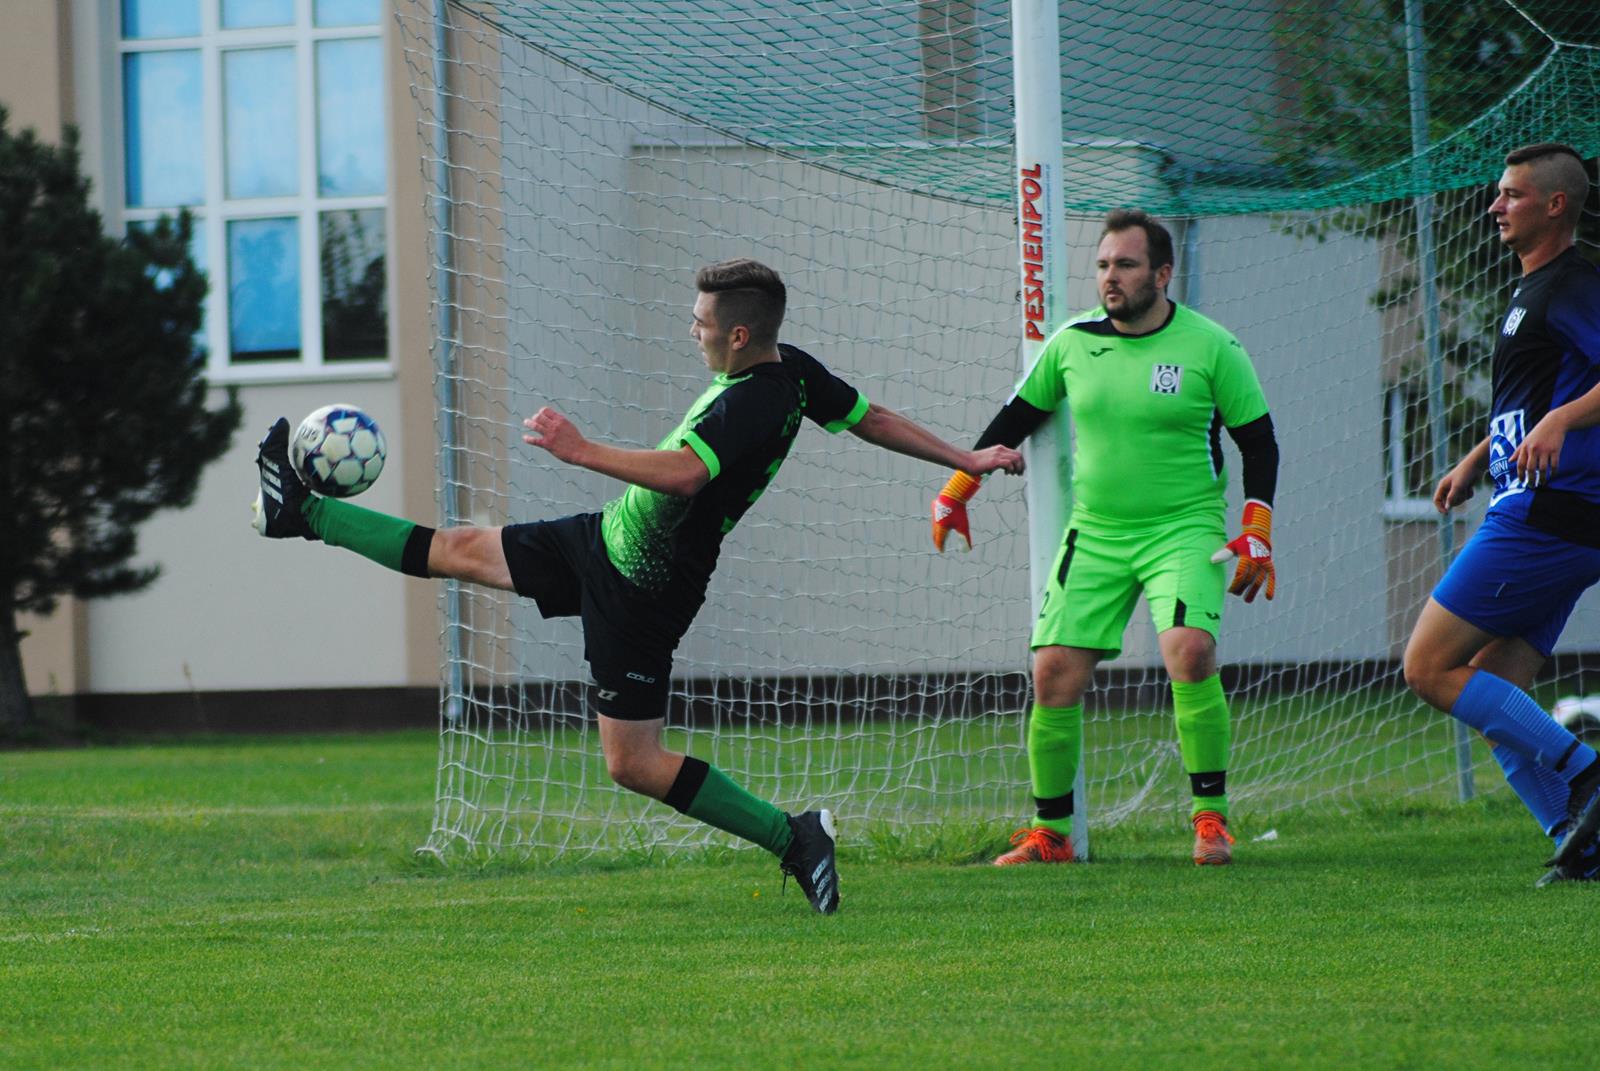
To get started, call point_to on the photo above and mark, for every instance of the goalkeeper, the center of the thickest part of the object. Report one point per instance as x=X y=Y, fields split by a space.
x=1150 y=386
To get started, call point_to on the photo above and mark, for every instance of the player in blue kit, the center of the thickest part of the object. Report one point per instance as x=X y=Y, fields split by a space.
x=1495 y=616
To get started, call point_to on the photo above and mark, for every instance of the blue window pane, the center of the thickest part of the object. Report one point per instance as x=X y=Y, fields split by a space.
x=263 y=157
x=355 y=307
x=243 y=14
x=160 y=18
x=350 y=145
x=347 y=12
x=161 y=116
x=264 y=289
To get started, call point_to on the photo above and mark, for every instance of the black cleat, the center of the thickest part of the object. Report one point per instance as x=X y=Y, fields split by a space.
x=278 y=511
x=1585 y=868
x=1583 y=818
x=809 y=860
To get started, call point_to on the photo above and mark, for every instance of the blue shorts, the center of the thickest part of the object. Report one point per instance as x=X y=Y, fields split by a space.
x=1513 y=580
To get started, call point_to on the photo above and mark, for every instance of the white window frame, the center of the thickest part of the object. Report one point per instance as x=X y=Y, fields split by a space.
x=217 y=211
x=1400 y=507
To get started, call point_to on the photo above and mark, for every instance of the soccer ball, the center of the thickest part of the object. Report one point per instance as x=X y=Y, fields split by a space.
x=1580 y=716
x=338 y=451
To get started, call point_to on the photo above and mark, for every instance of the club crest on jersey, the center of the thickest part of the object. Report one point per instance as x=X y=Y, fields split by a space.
x=1166 y=378
x=1513 y=320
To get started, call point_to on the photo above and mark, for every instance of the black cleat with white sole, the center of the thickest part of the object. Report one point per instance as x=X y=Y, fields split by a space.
x=1586 y=867
x=1583 y=817
x=809 y=860
x=279 y=506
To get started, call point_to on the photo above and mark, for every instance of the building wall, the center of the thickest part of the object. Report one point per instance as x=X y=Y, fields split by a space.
x=233 y=611
x=583 y=215
x=36 y=63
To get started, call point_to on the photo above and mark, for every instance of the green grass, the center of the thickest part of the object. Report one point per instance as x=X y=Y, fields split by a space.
x=256 y=904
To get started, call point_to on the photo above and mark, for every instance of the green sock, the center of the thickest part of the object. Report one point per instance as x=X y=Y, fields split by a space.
x=370 y=534
x=723 y=804
x=1204 y=734
x=1055 y=748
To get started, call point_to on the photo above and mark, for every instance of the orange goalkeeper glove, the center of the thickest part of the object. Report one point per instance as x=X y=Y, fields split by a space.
x=950 y=508
x=1253 y=548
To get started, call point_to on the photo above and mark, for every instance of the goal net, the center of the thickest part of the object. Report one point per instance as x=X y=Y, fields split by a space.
x=582 y=158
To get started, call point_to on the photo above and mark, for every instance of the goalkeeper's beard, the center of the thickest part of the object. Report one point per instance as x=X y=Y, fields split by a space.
x=1134 y=305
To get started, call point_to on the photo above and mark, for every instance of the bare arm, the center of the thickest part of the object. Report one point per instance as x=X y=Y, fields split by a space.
x=673 y=472
x=1457 y=485
x=888 y=429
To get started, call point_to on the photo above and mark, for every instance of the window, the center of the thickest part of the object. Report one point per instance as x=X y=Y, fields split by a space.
x=1408 y=468
x=265 y=118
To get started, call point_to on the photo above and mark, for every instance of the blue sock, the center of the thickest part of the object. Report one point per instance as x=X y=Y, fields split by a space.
x=1505 y=714
x=1542 y=790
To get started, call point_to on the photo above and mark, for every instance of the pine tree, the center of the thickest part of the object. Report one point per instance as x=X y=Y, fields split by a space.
x=103 y=416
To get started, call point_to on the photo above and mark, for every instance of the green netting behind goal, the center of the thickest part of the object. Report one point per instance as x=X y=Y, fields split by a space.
x=1242 y=106
x=582 y=158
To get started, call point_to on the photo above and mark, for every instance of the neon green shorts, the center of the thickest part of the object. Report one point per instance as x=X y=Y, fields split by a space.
x=1098 y=575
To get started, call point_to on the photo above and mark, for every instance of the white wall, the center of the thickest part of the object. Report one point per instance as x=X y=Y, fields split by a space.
x=233 y=610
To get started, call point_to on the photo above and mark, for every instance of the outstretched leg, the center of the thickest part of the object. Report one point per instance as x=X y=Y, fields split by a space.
x=285 y=509
x=804 y=843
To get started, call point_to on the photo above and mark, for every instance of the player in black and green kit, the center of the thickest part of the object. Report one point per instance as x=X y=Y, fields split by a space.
x=637 y=572
x=1150 y=386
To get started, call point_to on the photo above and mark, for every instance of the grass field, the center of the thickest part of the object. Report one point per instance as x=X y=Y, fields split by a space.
x=256 y=904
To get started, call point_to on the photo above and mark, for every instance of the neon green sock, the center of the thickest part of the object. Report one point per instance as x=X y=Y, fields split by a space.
x=1055 y=748
x=372 y=535
x=1204 y=734
x=723 y=804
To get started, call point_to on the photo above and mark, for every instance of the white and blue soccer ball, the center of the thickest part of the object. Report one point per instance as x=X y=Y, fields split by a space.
x=338 y=451
x=1580 y=716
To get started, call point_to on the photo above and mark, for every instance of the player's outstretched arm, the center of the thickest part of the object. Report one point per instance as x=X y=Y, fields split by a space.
x=1014 y=423
x=888 y=429
x=1459 y=483
x=678 y=472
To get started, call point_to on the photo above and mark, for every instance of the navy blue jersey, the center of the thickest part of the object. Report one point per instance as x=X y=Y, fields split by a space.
x=1547 y=354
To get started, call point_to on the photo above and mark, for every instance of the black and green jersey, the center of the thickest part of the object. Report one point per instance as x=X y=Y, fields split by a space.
x=742 y=428
x=1147 y=412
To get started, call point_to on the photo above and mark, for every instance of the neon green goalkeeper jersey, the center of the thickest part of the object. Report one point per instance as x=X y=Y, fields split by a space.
x=1147 y=413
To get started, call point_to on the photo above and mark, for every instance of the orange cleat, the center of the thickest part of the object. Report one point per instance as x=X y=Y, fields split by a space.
x=1036 y=845
x=1213 y=844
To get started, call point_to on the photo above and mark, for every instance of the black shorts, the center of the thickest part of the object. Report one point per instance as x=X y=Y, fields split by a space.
x=629 y=633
